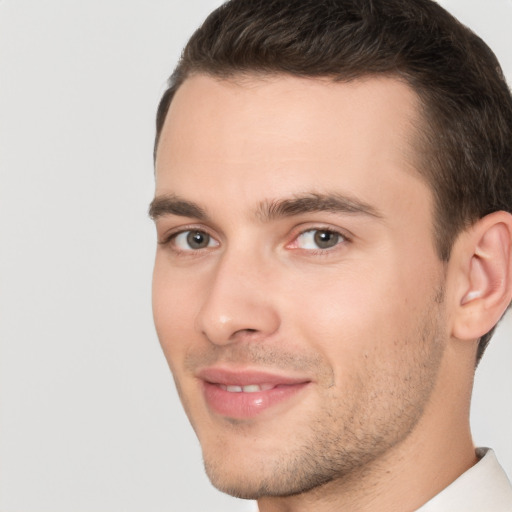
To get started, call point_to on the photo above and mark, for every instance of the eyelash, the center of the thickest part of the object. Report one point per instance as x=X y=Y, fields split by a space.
x=343 y=239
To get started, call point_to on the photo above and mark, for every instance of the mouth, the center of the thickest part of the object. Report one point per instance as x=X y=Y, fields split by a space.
x=247 y=394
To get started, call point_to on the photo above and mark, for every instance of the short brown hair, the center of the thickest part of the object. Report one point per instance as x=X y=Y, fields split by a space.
x=467 y=106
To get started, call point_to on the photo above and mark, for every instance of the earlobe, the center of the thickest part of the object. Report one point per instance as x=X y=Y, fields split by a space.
x=486 y=289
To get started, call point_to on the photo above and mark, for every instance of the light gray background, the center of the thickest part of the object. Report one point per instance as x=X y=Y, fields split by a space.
x=89 y=419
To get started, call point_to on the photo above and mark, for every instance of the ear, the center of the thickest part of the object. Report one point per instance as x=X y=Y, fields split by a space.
x=484 y=269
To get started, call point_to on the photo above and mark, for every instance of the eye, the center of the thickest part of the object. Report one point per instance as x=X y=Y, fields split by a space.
x=318 y=239
x=193 y=240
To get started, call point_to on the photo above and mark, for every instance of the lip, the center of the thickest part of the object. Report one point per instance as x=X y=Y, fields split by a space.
x=277 y=389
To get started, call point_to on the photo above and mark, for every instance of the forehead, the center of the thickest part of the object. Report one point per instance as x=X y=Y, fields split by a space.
x=263 y=136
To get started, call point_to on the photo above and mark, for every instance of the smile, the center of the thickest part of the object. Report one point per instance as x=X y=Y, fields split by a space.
x=247 y=394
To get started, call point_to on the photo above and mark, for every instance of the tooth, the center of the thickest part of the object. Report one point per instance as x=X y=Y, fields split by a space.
x=253 y=388
x=234 y=389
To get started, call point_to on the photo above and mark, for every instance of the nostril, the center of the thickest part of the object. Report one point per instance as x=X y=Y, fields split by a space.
x=241 y=332
x=244 y=333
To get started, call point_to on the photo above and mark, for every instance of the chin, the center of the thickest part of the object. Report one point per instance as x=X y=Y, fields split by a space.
x=247 y=485
x=252 y=478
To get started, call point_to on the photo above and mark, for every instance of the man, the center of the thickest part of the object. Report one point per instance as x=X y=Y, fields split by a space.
x=333 y=188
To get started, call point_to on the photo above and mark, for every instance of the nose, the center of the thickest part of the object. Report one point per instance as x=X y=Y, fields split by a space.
x=238 y=301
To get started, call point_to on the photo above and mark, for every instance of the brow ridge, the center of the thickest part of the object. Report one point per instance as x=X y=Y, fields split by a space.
x=269 y=210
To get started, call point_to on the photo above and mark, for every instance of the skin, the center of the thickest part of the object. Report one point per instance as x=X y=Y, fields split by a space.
x=369 y=322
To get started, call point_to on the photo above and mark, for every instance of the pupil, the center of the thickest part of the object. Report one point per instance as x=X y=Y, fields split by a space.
x=198 y=240
x=326 y=239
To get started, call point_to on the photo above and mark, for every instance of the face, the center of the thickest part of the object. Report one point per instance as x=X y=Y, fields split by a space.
x=297 y=293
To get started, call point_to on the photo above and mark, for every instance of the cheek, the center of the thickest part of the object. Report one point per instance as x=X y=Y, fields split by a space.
x=174 y=309
x=348 y=315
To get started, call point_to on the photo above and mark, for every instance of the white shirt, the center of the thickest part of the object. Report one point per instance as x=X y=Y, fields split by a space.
x=482 y=488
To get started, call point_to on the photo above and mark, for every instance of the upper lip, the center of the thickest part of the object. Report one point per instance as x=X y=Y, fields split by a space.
x=234 y=377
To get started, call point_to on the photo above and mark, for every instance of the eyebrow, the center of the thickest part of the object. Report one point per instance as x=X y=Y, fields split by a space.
x=315 y=202
x=170 y=204
x=268 y=210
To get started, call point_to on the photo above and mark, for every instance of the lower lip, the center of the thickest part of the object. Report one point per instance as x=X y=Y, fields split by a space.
x=247 y=405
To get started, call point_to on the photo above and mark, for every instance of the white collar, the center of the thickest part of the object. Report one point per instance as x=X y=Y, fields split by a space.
x=482 y=488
